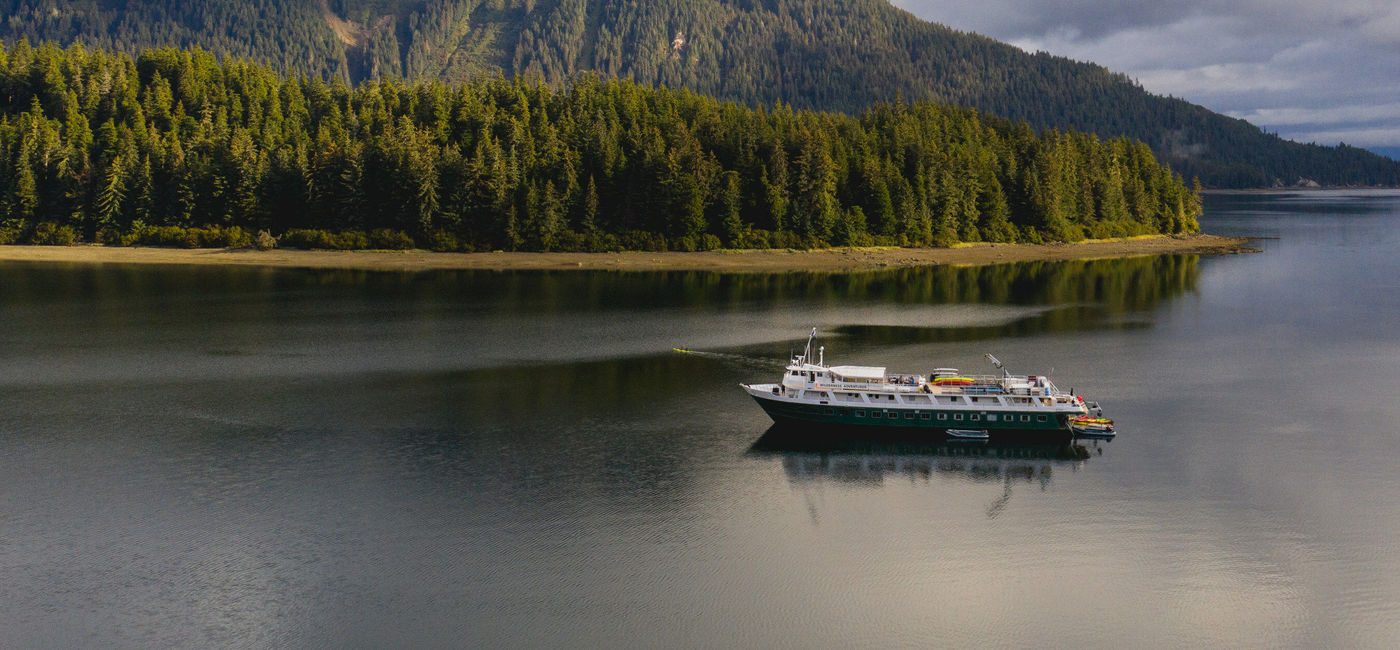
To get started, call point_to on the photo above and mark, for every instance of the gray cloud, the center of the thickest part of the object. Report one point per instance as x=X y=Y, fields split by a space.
x=1308 y=70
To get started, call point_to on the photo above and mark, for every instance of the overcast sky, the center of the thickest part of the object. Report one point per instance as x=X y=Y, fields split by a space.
x=1323 y=71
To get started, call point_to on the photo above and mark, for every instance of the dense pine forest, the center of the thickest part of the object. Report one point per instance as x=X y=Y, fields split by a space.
x=176 y=147
x=830 y=55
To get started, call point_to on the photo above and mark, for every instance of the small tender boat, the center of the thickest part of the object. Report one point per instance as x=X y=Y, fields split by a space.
x=969 y=434
x=1093 y=424
x=860 y=397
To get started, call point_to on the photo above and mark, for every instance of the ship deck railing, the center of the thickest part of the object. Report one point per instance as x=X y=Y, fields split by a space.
x=975 y=383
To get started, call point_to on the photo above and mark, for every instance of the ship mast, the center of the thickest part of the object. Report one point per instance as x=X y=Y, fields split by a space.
x=996 y=362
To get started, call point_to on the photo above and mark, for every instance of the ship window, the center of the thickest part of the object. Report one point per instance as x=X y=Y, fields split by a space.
x=1040 y=418
x=942 y=416
x=795 y=373
x=974 y=417
x=875 y=414
x=1025 y=418
x=840 y=411
x=924 y=416
x=957 y=416
x=908 y=416
x=992 y=418
x=860 y=413
x=974 y=400
x=828 y=411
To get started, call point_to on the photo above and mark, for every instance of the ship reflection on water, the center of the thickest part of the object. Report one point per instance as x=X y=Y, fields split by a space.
x=811 y=457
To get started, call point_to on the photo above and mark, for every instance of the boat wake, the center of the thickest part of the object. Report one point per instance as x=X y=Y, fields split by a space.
x=747 y=361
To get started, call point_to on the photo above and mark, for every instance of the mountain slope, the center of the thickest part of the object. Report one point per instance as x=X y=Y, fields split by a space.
x=837 y=55
x=174 y=147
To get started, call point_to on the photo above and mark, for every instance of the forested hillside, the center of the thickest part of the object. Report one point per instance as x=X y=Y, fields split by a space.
x=838 y=55
x=176 y=147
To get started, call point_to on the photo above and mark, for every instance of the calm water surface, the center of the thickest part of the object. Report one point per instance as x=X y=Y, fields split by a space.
x=277 y=458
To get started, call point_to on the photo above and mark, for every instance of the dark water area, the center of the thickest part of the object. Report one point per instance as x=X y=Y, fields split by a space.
x=231 y=457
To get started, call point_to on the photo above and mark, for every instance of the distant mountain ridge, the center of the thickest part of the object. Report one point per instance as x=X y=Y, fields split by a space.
x=836 y=55
x=1392 y=153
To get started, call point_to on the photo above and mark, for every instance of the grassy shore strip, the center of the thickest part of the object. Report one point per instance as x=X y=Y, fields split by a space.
x=840 y=259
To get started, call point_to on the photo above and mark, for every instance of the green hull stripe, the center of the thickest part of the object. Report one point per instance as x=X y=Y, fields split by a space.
x=866 y=416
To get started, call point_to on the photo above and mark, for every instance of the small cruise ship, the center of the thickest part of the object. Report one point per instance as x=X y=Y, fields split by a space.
x=865 y=396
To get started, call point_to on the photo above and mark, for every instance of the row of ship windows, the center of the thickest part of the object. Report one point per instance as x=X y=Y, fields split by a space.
x=972 y=417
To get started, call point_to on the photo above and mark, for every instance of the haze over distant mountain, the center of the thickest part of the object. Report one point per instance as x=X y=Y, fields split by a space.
x=839 y=55
x=1392 y=153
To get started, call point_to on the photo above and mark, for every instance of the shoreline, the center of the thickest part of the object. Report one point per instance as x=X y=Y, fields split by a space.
x=751 y=261
x=1295 y=189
